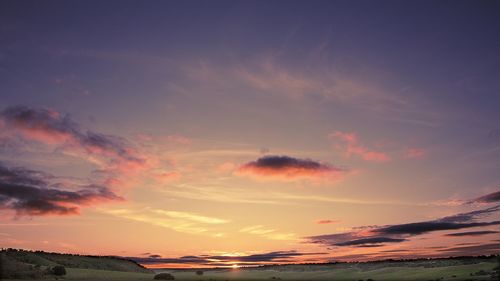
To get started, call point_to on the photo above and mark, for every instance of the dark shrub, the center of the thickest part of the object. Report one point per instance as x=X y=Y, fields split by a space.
x=164 y=276
x=199 y=272
x=59 y=270
x=481 y=272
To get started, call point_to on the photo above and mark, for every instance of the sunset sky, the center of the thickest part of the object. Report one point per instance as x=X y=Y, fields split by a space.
x=212 y=133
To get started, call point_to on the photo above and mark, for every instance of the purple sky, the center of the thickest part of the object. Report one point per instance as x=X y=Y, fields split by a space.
x=318 y=130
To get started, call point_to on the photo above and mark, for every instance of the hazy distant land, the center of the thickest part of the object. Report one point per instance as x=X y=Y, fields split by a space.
x=29 y=265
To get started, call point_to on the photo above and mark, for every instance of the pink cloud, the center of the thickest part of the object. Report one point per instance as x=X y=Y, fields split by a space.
x=352 y=146
x=269 y=77
x=327 y=221
x=50 y=127
x=144 y=137
x=178 y=139
x=35 y=193
x=166 y=177
x=226 y=167
x=120 y=164
x=416 y=153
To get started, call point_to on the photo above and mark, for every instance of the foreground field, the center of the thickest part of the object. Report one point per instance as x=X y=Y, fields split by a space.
x=27 y=265
x=460 y=272
x=78 y=274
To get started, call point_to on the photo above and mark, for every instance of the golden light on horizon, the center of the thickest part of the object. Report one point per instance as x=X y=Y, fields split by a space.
x=235 y=266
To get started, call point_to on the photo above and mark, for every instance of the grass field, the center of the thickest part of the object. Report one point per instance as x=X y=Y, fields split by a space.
x=460 y=272
x=22 y=264
x=78 y=274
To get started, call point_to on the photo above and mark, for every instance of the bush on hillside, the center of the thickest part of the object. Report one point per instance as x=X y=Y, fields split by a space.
x=199 y=272
x=164 y=276
x=59 y=270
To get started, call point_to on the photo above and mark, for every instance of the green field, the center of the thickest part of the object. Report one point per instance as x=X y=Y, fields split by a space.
x=457 y=272
x=20 y=265
x=461 y=272
x=79 y=274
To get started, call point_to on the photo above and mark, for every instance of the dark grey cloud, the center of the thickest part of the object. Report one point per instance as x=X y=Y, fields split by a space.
x=472 y=233
x=284 y=162
x=219 y=260
x=458 y=221
x=50 y=126
x=369 y=245
x=354 y=239
x=332 y=239
x=483 y=249
x=181 y=260
x=41 y=120
x=395 y=251
x=470 y=216
x=288 y=167
x=489 y=198
x=34 y=193
x=370 y=241
x=430 y=226
x=272 y=256
x=367 y=236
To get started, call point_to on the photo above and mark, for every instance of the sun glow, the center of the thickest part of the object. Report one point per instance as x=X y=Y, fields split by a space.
x=235 y=266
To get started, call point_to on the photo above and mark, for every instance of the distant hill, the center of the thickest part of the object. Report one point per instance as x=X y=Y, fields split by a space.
x=14 y=261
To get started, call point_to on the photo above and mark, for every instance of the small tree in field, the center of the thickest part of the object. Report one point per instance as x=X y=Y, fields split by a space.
x=199 y=272
x=164 y=276
x=59 y=270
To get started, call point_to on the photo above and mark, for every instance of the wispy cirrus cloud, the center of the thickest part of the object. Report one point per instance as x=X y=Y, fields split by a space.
x=191 y=217
x=184 y=222
x=232 y=194
x=268 y=233
x=416 y=153
x=270 y=76
x=166 y=177
x=34 y=193
x=178 y=139
x=289 y=168
x=351 y=145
